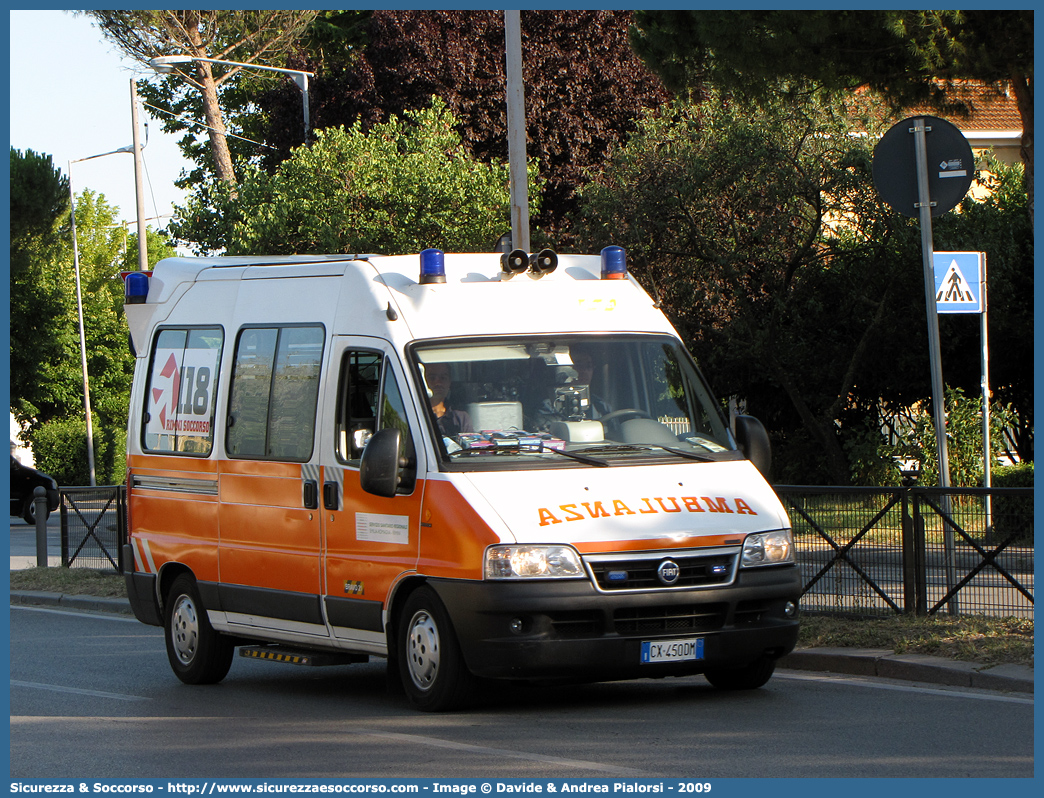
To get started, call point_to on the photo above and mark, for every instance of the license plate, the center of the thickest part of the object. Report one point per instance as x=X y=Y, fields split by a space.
x=672 y=650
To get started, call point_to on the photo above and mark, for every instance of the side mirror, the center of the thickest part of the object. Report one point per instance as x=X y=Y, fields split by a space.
x=379 y=470
x=753 y=441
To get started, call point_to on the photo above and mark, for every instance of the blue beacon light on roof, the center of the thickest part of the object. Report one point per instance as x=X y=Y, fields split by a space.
x=135 y=288
x=432 y=266
x=614 y=263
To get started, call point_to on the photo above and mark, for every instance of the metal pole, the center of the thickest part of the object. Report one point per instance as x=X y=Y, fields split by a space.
x=166 y=64
x=139 y=196
x=516 y=122
x=924 y=204
x=301 y=79
x=40 y=510
x=83 y=339
x=987 y=454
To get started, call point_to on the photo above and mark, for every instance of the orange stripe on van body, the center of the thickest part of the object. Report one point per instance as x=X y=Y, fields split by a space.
x=267 y=537
x=654 y=544
x=367 y=569
x=454 y=536
x=259 y=468
x=175 y=465
x=178 y=527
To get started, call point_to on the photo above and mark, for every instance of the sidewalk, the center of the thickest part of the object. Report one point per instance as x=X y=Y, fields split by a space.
x=878 y=662
x=883 y=663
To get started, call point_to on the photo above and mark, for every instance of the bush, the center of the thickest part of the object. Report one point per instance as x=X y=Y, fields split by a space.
x=1013 y=515
x=1016 y=476
x=60 y=449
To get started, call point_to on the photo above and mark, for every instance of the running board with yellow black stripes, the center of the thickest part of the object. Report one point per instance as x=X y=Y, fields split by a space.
x=291 y=657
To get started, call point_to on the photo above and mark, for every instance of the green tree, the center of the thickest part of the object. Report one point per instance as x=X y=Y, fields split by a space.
x=999 y=225
x=584 y=88
x=39 y=197
x=39 y=204
x=754 y=228
x=964 y=439
x=248 y=37
x=759 y=230
x=406 y=185
x=47 y=379
x=911 y=58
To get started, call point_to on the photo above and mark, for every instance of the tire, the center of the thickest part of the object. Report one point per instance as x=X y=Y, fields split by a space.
x=29 y=511
x=431 y=666
x=750 y=677
x=197 y=654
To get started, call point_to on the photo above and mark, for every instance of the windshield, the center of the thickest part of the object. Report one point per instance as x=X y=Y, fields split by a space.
x=593 y=399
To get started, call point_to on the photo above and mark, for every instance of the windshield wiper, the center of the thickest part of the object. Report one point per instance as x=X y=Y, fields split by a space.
x=648 y=447
x=581 y=457
x=592 y=461
x=687 y=455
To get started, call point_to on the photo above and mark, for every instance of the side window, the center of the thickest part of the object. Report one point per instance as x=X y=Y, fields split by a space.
x=369 y=400
x=274 y=393
x=180 y=396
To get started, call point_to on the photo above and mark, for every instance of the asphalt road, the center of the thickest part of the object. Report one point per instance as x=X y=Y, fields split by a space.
x=23 y=538
x=92 y=696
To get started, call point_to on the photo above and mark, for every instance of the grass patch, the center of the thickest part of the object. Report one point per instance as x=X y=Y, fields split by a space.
x=971 y=638
x=70 y=581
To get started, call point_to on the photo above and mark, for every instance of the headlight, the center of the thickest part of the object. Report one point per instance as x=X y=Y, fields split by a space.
x=520 y=562
x=768 y=548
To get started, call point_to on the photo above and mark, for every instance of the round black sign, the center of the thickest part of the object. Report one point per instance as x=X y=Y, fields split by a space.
x=951 y=165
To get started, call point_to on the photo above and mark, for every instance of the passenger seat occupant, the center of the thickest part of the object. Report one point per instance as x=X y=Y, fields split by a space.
x=451 y=422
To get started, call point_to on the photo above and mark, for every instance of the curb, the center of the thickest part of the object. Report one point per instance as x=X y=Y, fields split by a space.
x=879 y=662
x=119 y=606
x=883 y=663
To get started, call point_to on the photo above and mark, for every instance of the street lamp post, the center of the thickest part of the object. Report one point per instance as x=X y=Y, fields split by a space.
x=165 y=64
x=79 y=310
x=139 y=195
x=516 y=123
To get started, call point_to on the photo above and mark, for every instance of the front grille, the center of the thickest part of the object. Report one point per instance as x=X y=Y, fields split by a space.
x=704 y=569
x=673 y=619
x=578 y=623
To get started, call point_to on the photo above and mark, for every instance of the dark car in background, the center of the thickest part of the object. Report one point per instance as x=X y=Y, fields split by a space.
x=23 y=481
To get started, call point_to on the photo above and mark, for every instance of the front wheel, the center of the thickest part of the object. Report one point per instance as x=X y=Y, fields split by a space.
x=431 y=665
x=750 y=677
x=197 y=654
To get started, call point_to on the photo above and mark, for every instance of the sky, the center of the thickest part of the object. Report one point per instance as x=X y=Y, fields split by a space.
x=77 y=103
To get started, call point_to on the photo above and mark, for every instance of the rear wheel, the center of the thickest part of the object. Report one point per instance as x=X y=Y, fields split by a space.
x=197 y=654
x=750 y=677
x=431 y=665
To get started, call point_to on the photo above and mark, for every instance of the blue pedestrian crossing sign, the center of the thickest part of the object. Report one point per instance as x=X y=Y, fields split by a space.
x=958 y=282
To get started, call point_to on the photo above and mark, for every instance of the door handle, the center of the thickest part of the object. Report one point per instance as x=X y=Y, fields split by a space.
x=330 y=496
x=311 y=494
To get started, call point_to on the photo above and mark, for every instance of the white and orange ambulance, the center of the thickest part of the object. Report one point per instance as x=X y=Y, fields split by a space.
x=475 y=465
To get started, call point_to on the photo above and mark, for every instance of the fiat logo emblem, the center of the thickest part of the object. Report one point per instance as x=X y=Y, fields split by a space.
x=668 y=572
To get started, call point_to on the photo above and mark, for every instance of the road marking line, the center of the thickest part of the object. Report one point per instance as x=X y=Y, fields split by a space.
x=54 y=688
x=435 y=742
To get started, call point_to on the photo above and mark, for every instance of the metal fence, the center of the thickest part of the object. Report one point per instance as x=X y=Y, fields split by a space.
x=863 y=551
x=94 y=527
x=881 y=551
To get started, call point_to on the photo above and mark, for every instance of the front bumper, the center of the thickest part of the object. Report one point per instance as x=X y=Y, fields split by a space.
x=569 y=630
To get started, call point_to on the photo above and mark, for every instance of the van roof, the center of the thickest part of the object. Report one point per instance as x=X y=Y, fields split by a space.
x=476 y=292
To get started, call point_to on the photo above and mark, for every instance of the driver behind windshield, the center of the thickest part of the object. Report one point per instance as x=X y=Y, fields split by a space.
x=452 y=422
